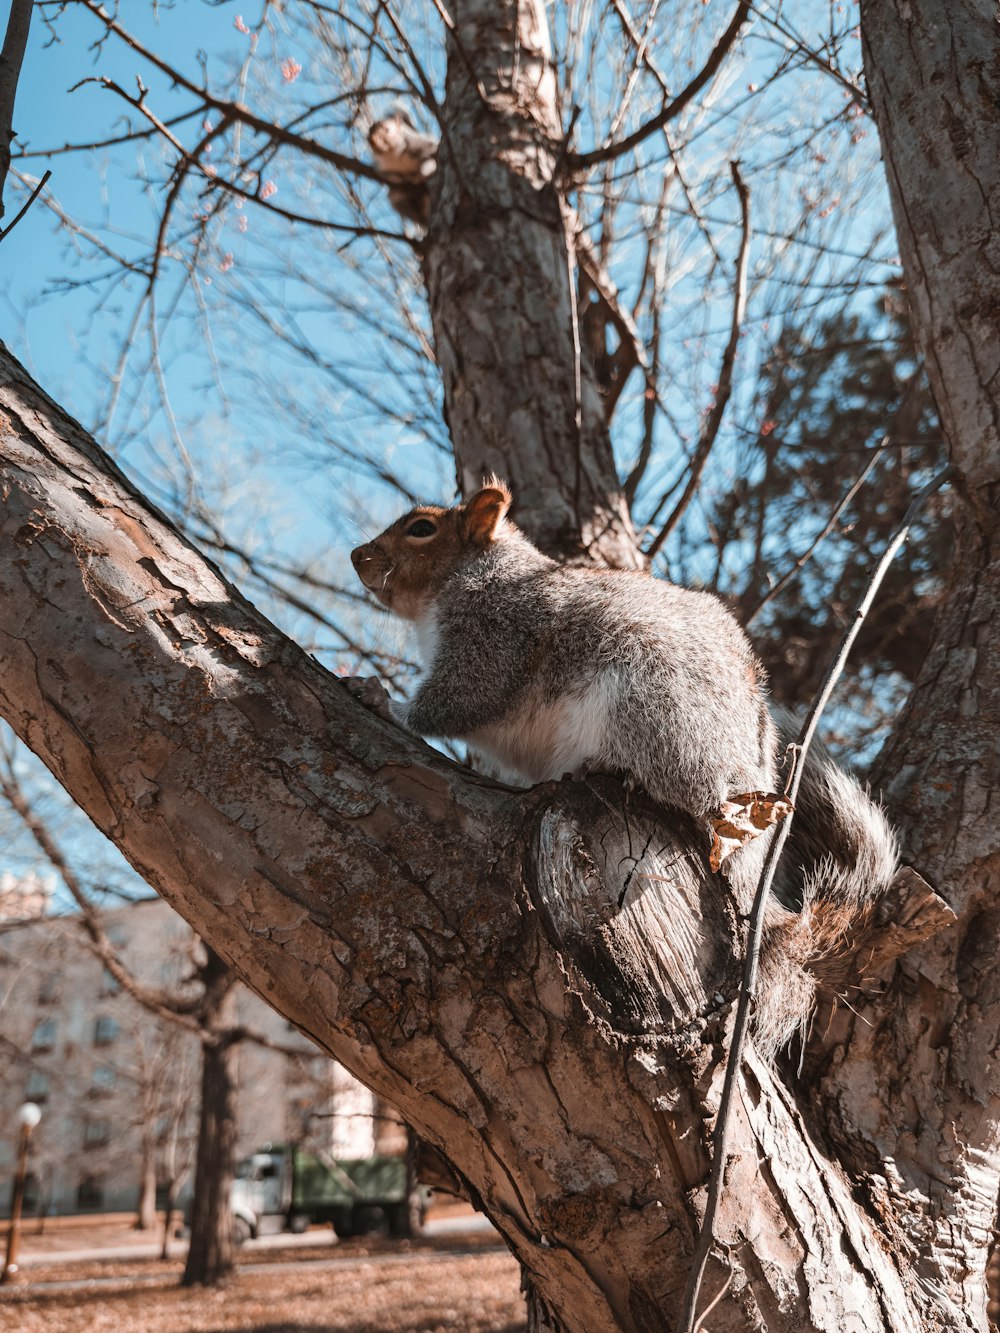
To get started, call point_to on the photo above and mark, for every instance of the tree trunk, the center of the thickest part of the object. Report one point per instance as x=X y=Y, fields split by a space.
x=924 y=1131
x=169 y=1213
x=210 y=1253
x=520 y=394
x=542 y=981
x=914 y=1091
x=492 y=962
x=145 y=1216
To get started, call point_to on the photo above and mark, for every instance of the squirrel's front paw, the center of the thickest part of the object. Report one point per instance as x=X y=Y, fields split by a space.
x=368 y=690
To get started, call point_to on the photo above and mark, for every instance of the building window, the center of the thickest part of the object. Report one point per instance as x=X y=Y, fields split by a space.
x=44 y=1036
x=49 y=991
x=105 y=1030
x=37 y=1088
x=97 y=1133
x=102 y=1080
x=90 y=1194
x=110 y=985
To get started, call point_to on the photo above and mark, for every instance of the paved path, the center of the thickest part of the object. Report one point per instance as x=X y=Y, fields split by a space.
x=301 y=1265
x=283 y=1240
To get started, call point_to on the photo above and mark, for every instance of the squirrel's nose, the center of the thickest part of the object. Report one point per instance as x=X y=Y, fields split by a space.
x=359 y=555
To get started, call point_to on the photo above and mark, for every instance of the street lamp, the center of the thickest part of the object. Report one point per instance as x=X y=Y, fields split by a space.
x=28 y=1117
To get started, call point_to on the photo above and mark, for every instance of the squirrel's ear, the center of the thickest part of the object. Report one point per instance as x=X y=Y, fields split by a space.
x=484 y=512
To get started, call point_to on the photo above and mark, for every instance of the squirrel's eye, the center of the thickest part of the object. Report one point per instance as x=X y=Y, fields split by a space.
x=423 y=527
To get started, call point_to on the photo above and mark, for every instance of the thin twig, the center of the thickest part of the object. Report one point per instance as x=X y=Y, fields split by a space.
x=700 y=1326
x=5 y=231
x=706 y=1237
x=220 y=183
x=640 y=42
x=813 y=57
x=887 y=441
x=654 y=267
x=128 y=136
x=608 y=152
x=713 y=421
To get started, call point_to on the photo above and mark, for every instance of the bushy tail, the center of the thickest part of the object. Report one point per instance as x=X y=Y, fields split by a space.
x=840 y=858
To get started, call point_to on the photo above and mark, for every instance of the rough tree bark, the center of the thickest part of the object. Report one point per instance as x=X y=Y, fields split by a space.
x=520 y=396
x=210 y=1252
x=459 y=946
x=539 y=980
x=914 y=1093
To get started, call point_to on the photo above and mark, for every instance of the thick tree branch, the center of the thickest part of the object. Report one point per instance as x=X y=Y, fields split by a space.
x=459 y=946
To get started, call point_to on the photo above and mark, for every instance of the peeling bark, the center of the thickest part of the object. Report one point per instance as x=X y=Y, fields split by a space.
x=459 y=946
x=911 y=1095
x=541 y=981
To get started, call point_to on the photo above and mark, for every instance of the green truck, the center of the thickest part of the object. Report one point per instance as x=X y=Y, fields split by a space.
x=286 y=1188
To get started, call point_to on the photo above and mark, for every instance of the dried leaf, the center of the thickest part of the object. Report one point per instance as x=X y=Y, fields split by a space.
x=745 y=817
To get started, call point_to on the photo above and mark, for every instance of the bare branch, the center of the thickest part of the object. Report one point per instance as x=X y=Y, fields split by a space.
x=608 y=152
x=157 y=1001
x=814 y=58
x=219 y=182
x=128 y=136
x=21 y=211
x=890 y=438
x=713 y=421
x=236 y=111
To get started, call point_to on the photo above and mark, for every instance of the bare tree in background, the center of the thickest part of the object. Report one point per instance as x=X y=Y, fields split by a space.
x=468 y=950
x=203 y=1004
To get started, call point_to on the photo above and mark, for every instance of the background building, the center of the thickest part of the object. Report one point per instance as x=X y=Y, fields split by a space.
x=119 y=1086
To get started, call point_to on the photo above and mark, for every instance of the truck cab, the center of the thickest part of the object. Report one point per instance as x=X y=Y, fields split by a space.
x=261 y=1195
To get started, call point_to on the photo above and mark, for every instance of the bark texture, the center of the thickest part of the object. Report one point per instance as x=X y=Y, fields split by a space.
x=520 y=395
x=912 y=1094
x=541 y=981
x=497 y=964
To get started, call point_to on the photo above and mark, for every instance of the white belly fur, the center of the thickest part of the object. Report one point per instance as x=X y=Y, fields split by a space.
x=544 y=741
x=427 y=639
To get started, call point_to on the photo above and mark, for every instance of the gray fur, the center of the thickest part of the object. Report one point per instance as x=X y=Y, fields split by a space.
x=547 y=669
x=520 y=636
x=842 y=849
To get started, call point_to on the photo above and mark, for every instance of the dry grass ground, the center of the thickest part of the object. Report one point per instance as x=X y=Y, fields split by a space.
x=420 y=1291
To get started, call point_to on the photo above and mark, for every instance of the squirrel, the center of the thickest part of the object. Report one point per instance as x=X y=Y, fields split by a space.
x=547 y=669
x=406 y=159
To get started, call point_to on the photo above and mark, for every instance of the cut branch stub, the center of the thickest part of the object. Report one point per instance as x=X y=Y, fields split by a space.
x=608 y=886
